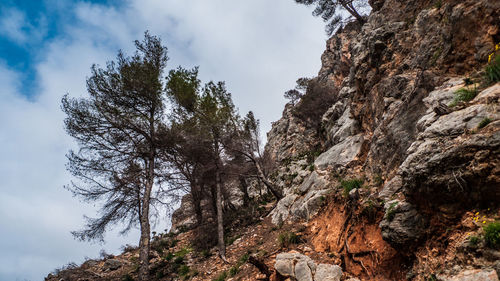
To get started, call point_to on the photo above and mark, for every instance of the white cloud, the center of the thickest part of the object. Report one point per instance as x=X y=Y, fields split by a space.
x=16 y=26
x=258 y=47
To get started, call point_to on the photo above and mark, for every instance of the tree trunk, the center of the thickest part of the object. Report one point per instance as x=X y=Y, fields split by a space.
x=220 y=218
x=145 y=236
x=268 y=184
x=244 y=189
x=353 y=12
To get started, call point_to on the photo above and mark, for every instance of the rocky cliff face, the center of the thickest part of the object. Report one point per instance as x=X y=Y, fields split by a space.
x=390 y=126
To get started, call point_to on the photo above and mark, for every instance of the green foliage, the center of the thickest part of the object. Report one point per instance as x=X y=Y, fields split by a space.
x=473 y=241
x=484 y=123
x=438 y=4
x=391 y=212
x=183 y=270
x=464 y=95
x=311 y=167
x=378 y=180
x=492 y=235
x=234 y=270
x=351 y=184
x=179 y=260
x=169 y=256
x=183 y=252
x=492 y=70
x=221 y=276
x=288 y=238
x=431 y=277
x=244 y=258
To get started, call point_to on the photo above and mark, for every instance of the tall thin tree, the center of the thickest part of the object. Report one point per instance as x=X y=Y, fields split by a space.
x=118 y=128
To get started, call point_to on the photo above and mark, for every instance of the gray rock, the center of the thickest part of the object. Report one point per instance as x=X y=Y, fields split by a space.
x=472 y=275
x=282 y=209
x=303 y=271
x=390 y=188
x=302 y=268
x=341 y=154
x=112 y=264
x=328 y=272
x=402 y=225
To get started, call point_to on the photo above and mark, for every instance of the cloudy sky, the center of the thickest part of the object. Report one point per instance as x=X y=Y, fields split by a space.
x=259 y=47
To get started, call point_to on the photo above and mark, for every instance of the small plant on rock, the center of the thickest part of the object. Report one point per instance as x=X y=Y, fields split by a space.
x=473 y=241
x=492 y=235
x=391 y=212
x=351 y=184
x=492 y=70
x=288 y=238
x=484 y=123
x=464 y=95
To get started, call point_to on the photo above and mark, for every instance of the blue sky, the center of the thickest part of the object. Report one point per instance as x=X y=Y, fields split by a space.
x=258 y=47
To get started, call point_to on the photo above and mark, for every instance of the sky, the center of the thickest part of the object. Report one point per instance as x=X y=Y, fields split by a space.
x=258 y=47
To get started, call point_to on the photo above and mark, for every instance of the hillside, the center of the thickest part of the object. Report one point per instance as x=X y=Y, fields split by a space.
x=389 y=165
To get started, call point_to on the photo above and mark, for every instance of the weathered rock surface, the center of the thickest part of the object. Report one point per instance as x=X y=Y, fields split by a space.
x=302 y=268
x=473 y=275
x=402 y=224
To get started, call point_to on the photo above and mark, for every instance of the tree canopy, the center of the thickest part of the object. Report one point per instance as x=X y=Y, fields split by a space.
x=328 y=10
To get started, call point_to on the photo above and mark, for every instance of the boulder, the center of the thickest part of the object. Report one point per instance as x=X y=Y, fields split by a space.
x=302 y=268
x=328 y=272
x=402 y=225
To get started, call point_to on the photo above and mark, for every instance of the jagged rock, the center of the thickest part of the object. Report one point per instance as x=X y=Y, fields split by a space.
x=473 y=275
x=302 y=268
x=341 y=154
x=402 y=225
x=390 y=188
x=328 y=272
x=112 y=264
x=304 y=203
x=282 y=209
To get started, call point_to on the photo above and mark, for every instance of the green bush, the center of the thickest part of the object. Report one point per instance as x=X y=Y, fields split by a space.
x=484 y=123
x=233 y=271
x=288 y=238
x=473 y=241
x=183 y=270
x=492 y=70
x=464 y=95
x=221 y=276
x=349 y=185
x=492 y=235
x=391 y=212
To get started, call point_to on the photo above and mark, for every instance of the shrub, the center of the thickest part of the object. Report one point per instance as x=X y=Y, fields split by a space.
x=464 y=95
x=221 y=276
x=492 y=235
x=244 y=258
x=349 y=185
x=233 y=271
x=492 y=70
x=484 y=123
x=288 y=238
x=473 y=241
x=378 y=180
x=391 y=212
x=183 y=270
x=311 y=167
x=169 y=256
